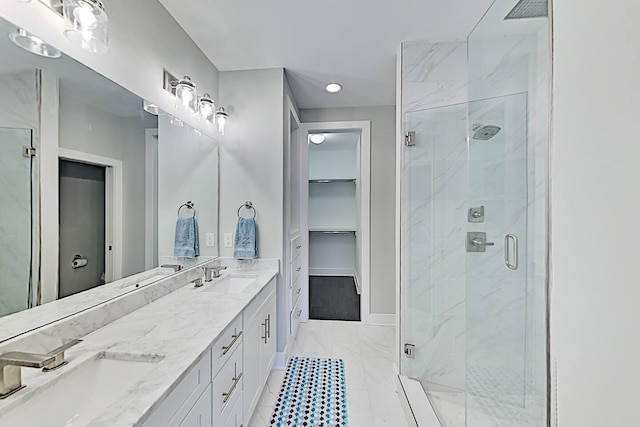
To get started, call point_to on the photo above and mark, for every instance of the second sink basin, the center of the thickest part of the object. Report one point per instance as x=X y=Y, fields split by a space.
x=81 y=394
x=233 y=283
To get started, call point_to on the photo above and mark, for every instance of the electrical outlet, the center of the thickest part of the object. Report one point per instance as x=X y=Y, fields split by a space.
x=211 y=240
x=228 y=240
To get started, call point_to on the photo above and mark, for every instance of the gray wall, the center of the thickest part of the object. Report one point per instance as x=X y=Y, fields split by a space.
x=91 y=130
x=383 y=128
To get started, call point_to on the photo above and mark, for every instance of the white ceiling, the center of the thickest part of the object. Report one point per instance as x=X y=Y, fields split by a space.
x=353 y=42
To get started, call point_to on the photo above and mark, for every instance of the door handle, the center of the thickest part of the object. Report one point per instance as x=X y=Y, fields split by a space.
x=510 y=239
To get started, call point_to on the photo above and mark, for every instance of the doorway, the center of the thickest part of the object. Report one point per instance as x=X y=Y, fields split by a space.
x=336 y=208
x=82 y=207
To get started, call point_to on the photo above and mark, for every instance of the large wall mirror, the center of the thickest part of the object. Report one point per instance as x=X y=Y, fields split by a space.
x=81 y=159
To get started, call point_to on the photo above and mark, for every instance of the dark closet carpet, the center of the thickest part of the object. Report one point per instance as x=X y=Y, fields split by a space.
x=333 y=298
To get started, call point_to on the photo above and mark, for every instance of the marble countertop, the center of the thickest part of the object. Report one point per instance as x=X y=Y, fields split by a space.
x=178 y=329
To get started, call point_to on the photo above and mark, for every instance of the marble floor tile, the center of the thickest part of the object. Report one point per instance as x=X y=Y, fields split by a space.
x=367 y=352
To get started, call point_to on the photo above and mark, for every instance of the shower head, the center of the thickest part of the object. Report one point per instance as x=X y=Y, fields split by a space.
x=484 y=133
x=529 y=9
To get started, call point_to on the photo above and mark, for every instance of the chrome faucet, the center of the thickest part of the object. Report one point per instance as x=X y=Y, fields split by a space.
x=12 y=362
x=176 y=267
x=213 y=272
x=197 y=283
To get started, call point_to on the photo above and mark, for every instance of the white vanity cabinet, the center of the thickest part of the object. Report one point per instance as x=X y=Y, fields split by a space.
x=259 y=346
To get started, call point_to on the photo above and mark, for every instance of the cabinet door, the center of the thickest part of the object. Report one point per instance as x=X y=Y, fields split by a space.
x=235 y=417
x=253 y=347
x=200 y=414
x=268 y=355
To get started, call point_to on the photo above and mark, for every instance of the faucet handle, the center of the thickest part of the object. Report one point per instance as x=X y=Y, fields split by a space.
x=58 y=354
x=26 y=360
x=197 y=283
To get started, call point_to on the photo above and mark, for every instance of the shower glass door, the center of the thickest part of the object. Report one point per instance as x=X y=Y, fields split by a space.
x=15 y=220
x=496 y=273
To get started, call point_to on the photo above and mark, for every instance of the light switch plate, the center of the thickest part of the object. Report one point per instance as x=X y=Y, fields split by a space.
x=211 y=240
x=228 y=240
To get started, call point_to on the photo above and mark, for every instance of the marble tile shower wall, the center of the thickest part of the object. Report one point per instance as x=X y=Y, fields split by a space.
x=435 y=201
x=18 y=116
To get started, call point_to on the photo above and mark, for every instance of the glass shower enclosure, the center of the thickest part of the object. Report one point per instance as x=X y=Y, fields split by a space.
x=473 y=238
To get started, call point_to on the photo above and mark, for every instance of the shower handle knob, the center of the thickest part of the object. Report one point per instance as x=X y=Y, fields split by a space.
x=480 y=243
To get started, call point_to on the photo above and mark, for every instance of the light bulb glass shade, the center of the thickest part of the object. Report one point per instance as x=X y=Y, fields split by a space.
x=87 y=24
x=176 y=122
x=317 y=138
x=187 y=95
x=221 y=118
x=151 y=108
x=207 y=108
x=33 y=44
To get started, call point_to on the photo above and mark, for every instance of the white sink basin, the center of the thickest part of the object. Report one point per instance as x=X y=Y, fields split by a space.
x=79 y=395
x=233 y=283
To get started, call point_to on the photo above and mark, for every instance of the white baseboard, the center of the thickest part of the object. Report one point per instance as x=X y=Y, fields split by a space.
x=414 y=401
x=331 y=272
x=379 y=319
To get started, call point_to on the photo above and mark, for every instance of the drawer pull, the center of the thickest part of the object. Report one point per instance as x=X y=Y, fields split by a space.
x=268 y=326
x=298 y=291
x=299 y=268
x=299 y=313
x=226 y=396
x=235 y=337
x=298 y=247
x=264 y=325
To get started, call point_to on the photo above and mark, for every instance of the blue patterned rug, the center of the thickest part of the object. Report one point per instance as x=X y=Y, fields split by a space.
x=313 y=394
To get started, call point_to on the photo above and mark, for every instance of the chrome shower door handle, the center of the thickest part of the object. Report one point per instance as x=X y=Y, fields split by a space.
x=510 y=239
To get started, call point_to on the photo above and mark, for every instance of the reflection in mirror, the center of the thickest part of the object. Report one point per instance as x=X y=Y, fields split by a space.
x=112 y=204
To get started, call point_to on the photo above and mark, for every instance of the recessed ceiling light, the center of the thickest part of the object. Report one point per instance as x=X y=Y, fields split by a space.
x=33 y=44
x=317 y=138
x=333 y=88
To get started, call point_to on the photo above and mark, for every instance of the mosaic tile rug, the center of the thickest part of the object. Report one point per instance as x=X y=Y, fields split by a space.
x=313 y=394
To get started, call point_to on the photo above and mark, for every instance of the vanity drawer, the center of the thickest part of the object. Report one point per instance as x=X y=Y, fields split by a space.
x=295 y=317
x=200 y=414
x=235 y=416
x=227 y=386
x=178 y=404
x=296 y=269
x=296 y=292
x=296 y=248
x=230 y=339
x=256 y=305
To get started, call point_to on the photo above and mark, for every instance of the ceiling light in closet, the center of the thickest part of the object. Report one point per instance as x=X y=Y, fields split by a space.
x=87 y=23
x=187 y=95
x=317 y=138
x=33 y=44
x=333 y=87
x=222 y=117
x=206 y=107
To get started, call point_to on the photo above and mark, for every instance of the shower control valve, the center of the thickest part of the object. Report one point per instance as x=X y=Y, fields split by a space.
x=477 y=241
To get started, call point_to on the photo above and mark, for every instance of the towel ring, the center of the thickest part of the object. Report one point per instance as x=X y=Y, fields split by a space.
x=188 y=205
x=249 y=206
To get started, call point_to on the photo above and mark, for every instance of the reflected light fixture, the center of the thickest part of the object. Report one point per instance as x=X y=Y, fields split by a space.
x=33 y=44
x=151 y=108
x=176 y=122
x=333 y=87
x=187 y=96
x=206 y=107
x=317 y=138
x=222 y=117
x=87 y=24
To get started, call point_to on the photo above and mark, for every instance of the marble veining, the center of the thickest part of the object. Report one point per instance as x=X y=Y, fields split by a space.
x=178 y=329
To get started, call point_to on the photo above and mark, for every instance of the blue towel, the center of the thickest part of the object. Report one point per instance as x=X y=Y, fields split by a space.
x=186 y=241
x=245 y=246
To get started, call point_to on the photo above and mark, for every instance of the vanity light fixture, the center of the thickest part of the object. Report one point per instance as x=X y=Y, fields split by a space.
x=317 y=138
x=33 y=44
x=206 y=107
x=87 y=24
x=333 y=87
x=222 y=117
x=187 y=96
